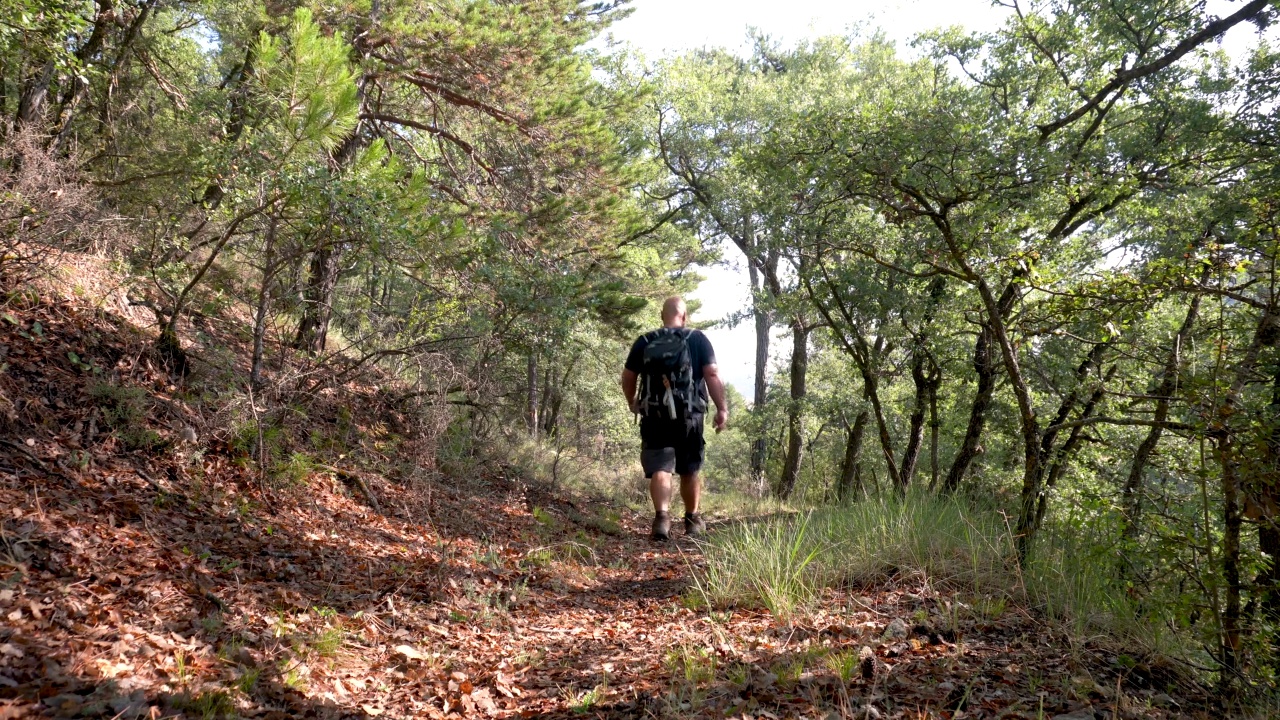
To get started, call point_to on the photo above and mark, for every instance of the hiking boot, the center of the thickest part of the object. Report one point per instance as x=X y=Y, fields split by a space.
x=661 y=527
x=694 y=526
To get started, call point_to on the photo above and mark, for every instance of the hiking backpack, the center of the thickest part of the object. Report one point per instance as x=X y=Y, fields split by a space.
x=667 y=387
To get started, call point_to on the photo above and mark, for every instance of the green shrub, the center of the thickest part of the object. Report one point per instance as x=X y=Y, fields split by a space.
x=124 y=409
x=293 y=469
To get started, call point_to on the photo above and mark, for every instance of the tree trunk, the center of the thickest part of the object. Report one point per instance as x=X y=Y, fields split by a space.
x=763 y=317
x=256 y=379
x=795 y=410
x=1058 y=465
x=553 y=399
x=1028 y=425
x=1132 y=492
x=935 y=381
x=74 y=95
x=118 y=65
x=850 y=484
x=317 y=306
x=1269 y=504
x=34 y=96
x=1034 y=480
x=317 y=310
x=867 y=359
x=921 y=378
x=915 y=433
x=531 y=398
x=764 y=328
x=986 y=363
x=1232 y=642
x=1266 y=335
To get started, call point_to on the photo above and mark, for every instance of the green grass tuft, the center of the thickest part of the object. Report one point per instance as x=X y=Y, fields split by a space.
x=783 y=563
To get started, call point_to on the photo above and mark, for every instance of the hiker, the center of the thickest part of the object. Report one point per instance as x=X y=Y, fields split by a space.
x=668 y=375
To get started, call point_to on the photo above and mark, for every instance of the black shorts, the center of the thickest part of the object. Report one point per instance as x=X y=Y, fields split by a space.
x=671 y=445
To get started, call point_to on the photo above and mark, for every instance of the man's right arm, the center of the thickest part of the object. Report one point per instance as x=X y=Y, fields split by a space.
x=631 y=373
x=629 y=382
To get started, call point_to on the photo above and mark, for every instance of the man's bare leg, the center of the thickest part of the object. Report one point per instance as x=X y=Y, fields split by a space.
x=660 y=493
x=690 y=492
x=660 y=490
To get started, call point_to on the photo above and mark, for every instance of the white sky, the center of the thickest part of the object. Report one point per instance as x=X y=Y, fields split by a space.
x=659 y=27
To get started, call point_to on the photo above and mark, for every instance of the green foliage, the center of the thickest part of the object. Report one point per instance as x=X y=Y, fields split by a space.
x=328 y=642
x=125 y=411
x=691 y=664
x=208 y=705
x=295 y=468
x=766 y=563
x=309 y=88
x=782 y=565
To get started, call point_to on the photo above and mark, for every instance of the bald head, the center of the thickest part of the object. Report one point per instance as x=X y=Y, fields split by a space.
x=674 y=312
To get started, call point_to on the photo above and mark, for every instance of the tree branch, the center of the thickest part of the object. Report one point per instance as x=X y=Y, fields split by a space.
x=1120 y=421
x=1124 y=77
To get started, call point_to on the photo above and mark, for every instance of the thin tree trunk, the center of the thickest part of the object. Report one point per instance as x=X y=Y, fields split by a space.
x=553 y=399
x=935 y=381
x=544 y=395
x=531 y=398
x=1034 y=492
x=118 y=64
x=168 y=343
x=317 y=311
x=1269 y=500
x=4 y=96
x=921 y=379
x=795 y=410
x=1061 y=456
x=79 y=89
x=1032 y=472
x=915 y=435
x=1132 y=492
x=1232 y=641
x=866 y=359
x=850 y=484
x=264 y=304
x=986 y=363
x=1266 y=335
x=764 y=326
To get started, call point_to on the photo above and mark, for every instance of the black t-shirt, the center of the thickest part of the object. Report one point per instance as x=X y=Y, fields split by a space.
x=701 y=354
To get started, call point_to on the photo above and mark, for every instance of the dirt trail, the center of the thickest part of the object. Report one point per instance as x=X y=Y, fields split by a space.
x=157 y=583
x=139 y=598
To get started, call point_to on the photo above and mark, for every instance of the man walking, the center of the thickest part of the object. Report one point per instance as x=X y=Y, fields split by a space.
x=669 y=374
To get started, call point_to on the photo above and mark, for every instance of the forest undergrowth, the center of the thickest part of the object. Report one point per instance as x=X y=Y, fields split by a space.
x=164 y=555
